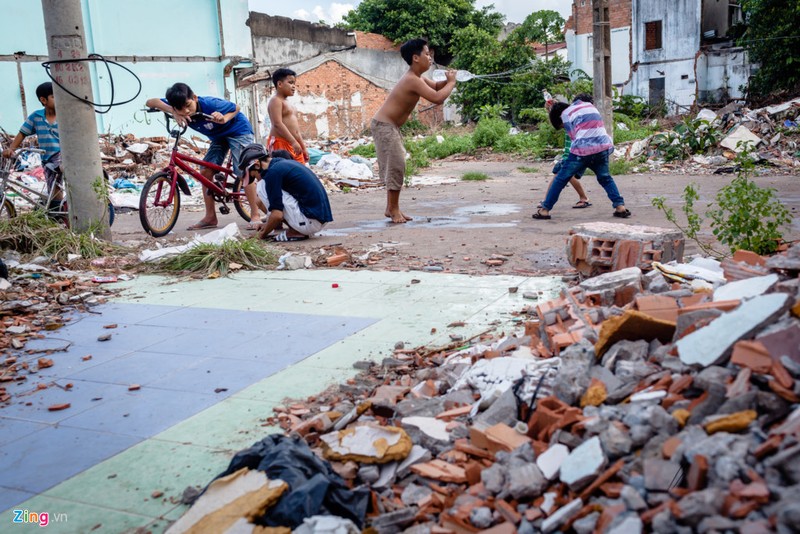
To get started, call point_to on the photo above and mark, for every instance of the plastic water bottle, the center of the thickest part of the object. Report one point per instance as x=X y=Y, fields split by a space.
x=439 y=75
x=547 y=96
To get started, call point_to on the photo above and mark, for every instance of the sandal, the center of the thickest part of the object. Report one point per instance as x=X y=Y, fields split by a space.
x=582 y=204
x=538 y=215
x=283 y=237
x=622 y=214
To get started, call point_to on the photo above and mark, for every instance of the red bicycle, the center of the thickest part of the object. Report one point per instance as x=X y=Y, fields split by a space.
x=160 y=200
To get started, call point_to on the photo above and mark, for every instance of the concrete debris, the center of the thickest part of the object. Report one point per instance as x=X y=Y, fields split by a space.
x=627 y=411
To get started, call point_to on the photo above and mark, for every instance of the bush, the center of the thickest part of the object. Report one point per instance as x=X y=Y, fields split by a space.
x=746 y=216
x=365 y=151
x=452 y=144
x=489 y=131
x=414 y=127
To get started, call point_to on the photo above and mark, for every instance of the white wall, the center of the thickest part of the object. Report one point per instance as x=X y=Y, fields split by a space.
x=675 y=60
x=580 y=53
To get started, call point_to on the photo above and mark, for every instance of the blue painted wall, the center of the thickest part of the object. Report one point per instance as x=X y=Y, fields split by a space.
x=141 y=28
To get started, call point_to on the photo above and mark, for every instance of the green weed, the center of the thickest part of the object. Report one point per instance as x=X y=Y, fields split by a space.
x=208 y=258
x=474 y=177
x=529 y=170
x=365 y=151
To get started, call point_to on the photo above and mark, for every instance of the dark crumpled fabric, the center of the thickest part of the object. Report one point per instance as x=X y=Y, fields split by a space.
x=314 y=487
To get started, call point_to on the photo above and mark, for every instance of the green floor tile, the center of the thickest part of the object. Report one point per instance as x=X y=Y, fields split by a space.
x=126 y=481
x=233 y=424
x=70 y=517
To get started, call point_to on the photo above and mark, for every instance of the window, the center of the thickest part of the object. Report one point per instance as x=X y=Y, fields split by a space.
x=652 y=35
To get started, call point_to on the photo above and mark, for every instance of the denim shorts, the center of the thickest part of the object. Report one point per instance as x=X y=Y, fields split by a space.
x=219 y=149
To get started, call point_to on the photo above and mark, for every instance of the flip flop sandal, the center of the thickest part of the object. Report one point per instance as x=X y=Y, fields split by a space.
x=539 y=216
x=622 y=214
x=202 y=226
x=283 y=237
x=581 y=204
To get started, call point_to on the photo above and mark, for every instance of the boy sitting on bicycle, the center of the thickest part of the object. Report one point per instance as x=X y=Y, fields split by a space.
x=44 y=125
x=228 y=129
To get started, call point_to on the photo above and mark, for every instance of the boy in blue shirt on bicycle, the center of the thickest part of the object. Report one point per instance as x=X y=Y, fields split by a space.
x=44 y=125
x=228 y=129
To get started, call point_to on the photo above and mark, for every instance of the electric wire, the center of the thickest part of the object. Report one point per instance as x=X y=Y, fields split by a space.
x=99 y=107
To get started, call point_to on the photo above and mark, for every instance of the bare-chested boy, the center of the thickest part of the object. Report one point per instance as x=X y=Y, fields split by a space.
x=285 y=131
x=395 y=112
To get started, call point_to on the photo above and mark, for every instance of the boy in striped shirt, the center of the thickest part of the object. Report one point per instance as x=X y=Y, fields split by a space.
x=44 y=125
x=591 y=147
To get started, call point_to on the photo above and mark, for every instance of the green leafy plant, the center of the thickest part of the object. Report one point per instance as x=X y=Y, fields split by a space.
x=746 y=216
x=365 y=151
x=474 y=177
x=489 y=131
x=633 y=106
x=529 y=170
x=693 y=136
x=414 y=126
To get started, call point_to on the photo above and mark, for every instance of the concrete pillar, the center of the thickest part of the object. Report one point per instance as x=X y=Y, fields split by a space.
x=88 y=205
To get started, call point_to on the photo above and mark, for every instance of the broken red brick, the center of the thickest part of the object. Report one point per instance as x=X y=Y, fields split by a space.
x=58 y=407
x=698 y=471
x=753 y=355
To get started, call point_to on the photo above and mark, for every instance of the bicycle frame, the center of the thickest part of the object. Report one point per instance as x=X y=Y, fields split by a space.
x=35 y=198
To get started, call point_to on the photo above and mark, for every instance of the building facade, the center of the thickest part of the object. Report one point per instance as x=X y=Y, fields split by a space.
x=672 y=51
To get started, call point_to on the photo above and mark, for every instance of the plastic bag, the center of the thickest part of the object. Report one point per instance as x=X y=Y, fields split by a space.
x=314 y=487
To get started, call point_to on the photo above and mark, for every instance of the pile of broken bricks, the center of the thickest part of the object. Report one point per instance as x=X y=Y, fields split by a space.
x=634 y=402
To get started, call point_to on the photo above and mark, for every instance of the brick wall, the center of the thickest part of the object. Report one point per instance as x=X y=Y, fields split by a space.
x=374 y=41
x=346 y=116
x=581 y=19
x=338 y=86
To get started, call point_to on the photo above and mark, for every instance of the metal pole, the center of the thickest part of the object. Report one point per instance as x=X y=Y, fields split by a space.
x=77 y=129
x=601 y=37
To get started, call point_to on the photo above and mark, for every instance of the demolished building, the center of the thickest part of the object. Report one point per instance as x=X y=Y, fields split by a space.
x=674 y=53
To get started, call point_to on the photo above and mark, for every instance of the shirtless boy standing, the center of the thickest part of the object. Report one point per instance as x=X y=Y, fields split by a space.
x=395 y=112
x=285 y=131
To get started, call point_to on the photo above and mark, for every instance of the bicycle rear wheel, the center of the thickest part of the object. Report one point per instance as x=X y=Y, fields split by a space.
x=156 y=215
x=241 y=203
x=7 y=210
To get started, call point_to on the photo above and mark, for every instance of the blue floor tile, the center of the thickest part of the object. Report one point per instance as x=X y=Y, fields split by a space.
x=11 y=497
x=81 y=396
x=143 y=413
x=202 y=342
x=211 y=374
x=43 y=459
x=141 y=368
x=127 y=313
x=14 y=429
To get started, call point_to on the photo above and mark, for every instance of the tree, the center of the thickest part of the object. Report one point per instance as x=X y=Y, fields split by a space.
x=435 y=21
x=772 y=39
x=479 y=52
x=543 y=26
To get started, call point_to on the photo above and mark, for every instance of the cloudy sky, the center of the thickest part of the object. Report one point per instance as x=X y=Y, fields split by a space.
x=332 y=12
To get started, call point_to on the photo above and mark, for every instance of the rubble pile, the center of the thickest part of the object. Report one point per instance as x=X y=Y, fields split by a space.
x=773 y=131
x=665 y=401
x=35 y=299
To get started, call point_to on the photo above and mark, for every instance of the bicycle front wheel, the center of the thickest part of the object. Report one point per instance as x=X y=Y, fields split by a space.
x=241 y=203
x=7 y=210
x=159 y=204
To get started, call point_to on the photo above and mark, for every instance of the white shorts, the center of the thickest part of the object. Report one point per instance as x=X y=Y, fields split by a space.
x=291 y=212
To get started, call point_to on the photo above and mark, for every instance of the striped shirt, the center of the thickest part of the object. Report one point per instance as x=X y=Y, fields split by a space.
x=46 y=133
x=584 y=125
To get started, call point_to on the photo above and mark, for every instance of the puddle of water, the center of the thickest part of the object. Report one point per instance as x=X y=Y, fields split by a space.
x=433 y=180
x=418 y=222
x=488 y=209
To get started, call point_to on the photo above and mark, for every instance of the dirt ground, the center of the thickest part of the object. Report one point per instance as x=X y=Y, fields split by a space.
x=459 y=224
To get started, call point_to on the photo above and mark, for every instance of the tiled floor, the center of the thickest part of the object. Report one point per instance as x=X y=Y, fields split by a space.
x=212 y=359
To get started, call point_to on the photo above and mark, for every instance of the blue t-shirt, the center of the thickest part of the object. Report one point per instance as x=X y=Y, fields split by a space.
x=300 y=182
x=235 y=127
x=46 y=133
